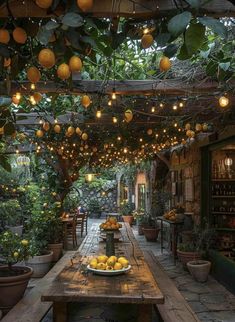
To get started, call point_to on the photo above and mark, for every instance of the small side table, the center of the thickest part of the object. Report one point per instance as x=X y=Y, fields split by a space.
x=174 y=227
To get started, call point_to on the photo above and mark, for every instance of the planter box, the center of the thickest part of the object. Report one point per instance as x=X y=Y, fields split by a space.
x=223 y=269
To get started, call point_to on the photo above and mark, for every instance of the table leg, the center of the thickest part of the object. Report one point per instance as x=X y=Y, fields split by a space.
x=161 y=236
x=144 y=313
x=174 y=243
x=59 y=312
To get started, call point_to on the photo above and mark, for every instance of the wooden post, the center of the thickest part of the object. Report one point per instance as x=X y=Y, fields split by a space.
x=110 y=246
x=59 y=312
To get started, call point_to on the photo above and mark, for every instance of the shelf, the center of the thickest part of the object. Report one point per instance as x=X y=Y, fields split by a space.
x=226 y=229
x=223 y=213
x=215 y=196
x=223 y=180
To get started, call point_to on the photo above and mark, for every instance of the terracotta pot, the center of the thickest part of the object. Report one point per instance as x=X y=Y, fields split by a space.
x=12 y=288
x=199 y=269
x=40 y=264
x=128 y=219
x=150 y=233
x=185 y=257
x=57 y=251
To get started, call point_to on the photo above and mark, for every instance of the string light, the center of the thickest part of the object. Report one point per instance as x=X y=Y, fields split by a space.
x=115 y=120
x=114 y=96
x=223 y=101
x=32 y=86
x=153 y=109
x=98 y=113
x=181 y=104
x=175 y=107
x=110 y=103
x=18 y=96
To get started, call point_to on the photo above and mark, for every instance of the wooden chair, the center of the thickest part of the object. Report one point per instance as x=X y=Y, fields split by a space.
x=80 y=223
x=72 y=230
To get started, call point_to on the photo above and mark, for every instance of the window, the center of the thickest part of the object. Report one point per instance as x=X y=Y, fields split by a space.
x=141 y=196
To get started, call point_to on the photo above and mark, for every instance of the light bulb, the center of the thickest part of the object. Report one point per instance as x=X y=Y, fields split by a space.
x=146 y=31
x=98 y=114
x=109 y=103
x=32 y=86
x=174 y=107
x=223 y=101
x=18 y=95
x=115 y=119
x=153 y=109
x=181 y=104
x=114 y=96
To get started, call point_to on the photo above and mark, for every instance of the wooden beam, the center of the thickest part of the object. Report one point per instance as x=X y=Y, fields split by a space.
x=125 y=87
x=139 y=9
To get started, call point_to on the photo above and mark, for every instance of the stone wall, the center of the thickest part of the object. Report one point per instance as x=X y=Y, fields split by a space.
x=106 y=198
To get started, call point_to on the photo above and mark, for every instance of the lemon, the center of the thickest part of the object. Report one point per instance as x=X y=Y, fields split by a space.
x=24 y=242
x=113 y=258
x=75 y=64
x=44 y=4
x=101 y=266
x=16 y=254
x=93 y=263
x=147 y=41
x=117 y=266
x=39 y=133
x=85 y=5
x=123 y=261
x=57 y=128
x=46 y=126
x=4 y=36
x=19 y=35
x=33 y=74
x=109 y=268
x=110 y=262
x=46 y=58
x=102 y=259
x=165 y=64
x=85 y=101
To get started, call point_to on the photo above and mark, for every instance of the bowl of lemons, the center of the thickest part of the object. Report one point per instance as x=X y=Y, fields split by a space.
x=109 y=266
x=110 y=224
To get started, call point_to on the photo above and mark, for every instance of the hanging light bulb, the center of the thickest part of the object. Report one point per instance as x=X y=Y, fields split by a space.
x=32 y=100
x=114 y=119
x=18 y=96
x=114 y=96
x=146 y=31
x=161 y=104
x=98 y=113
x=223 y=101
x=32 y=86
x=181 y=104
x=175 y=107
x=110 y=103
x=153 y=109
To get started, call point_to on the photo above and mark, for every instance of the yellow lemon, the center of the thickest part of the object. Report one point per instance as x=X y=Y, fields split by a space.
x=19 y=35
x=110 y=262
x=24 y=242
x=46 y=58
x=114 y=258
x=44 y=4
x=117 y=266
x=109 y=268
x=84 y=136
x=16 y=254
x=75 y=64
x=85 y=101
x=198 y=127
x=39 y=133
x=147 y=41
x=101 y=266
x=57 y=128
x=165 y=64
x=93 y=263
x=33 y=74
x=205 y=127
x=70 y=130
x=4 y=36
x=85 y=5
x=63 y=71
x=102 y=259
x=187 y=126
x=78 y=131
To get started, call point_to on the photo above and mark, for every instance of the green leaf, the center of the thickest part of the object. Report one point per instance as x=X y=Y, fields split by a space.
x=162 y=39
x=44 y=35
x=4 y=163
x=72 y=19
x=225 y=66
x=170 y=50
x=215 y=25
x=4 y=100
x=194 y=3
x=194 y=37
x=212 y=68
x=178 y=23
x=183 y=54
x=51 y=25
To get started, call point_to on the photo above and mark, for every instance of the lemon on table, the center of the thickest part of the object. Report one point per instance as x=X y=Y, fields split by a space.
x=101 y=266
x=110 y=261
x=123 y=261
x=93 y=263
x=109 y=268
x=102 y=259
x=117 y=266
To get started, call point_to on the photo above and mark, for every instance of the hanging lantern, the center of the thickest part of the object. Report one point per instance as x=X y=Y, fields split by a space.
x=22 y=160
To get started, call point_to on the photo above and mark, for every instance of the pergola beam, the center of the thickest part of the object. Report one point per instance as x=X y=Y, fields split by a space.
x=139 y=9
x=125 y=87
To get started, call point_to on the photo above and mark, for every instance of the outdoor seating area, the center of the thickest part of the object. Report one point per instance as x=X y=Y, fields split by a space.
x=117 y=161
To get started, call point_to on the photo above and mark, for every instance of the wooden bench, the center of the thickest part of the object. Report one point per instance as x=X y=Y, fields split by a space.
x=30 y=308
x=175 y=307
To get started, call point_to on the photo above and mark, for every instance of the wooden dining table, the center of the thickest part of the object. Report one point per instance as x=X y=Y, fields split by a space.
x=68 y=220
x=76 y=284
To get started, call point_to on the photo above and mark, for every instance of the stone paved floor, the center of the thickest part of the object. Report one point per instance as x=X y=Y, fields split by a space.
x=210 y=300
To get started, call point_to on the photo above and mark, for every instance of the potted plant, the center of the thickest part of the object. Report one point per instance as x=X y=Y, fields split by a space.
x=37 y=227
x=11 y=216
x=151 y=230
x=13 y=279
x=200 y=268
x=94 y=208
x=141 y=220
x=126 y=212
x=54 y=234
